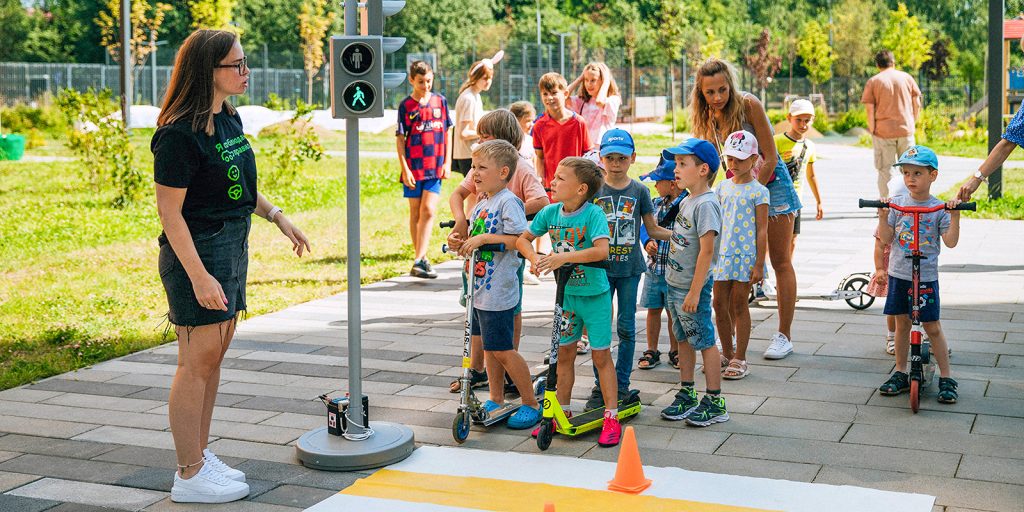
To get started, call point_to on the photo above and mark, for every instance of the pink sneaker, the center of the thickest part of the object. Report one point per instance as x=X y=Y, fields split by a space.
x=610 y=432
x=568 y=414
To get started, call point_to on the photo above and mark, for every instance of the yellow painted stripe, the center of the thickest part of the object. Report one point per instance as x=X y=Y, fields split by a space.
x=511 y=496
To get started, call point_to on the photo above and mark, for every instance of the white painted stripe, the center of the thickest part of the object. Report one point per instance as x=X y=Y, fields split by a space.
x=673 y=483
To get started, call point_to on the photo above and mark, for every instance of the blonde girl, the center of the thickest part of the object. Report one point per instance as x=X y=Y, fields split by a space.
x=598 y=100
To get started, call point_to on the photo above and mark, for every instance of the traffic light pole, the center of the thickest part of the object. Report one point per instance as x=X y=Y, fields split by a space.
x=381 y=443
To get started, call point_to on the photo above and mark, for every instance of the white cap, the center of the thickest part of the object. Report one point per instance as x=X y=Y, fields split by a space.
x=741 y=144
x=801 y=106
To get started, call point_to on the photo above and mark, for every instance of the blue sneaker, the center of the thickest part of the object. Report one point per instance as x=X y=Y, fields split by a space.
x=524 y=418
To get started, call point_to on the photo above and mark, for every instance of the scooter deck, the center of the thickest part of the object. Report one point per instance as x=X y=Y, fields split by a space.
x=594 y=418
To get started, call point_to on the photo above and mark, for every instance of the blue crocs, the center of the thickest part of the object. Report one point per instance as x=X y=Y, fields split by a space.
x=491 y=406
x=525 y=417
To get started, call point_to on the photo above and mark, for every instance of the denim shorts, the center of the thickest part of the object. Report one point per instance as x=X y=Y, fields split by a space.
x=901 y=296
x=593 y=312
x=432 y=185
x=495 y=328
x=782 y=196
x=224 y=251
x=655 y=292
x=696 y=328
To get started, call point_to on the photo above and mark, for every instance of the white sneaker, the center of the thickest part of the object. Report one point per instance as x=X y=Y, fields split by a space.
x=222 y=468
x=779 y=348
x=530 y=280
x=207 y=486
x=768 y=289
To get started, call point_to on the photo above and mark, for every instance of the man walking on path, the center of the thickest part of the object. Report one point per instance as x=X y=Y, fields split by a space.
x=893 y=102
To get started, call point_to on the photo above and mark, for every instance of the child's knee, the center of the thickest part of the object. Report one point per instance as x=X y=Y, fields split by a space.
x=932 y=328
x=601 y=357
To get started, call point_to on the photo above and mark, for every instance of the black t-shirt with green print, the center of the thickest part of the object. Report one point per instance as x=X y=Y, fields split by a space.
x=219 y=171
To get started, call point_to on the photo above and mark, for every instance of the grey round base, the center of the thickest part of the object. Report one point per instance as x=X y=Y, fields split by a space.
x=389 y=444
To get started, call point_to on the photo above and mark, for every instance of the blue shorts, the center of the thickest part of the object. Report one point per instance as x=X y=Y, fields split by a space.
x=431 y=185
x=782 y=196
x=655 y=292
x=594 y=312
x=496 y=328
x=697 y=329
x=900 y=298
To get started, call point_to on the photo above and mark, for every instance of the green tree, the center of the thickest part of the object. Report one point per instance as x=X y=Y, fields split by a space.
x=856 y=21
x=15 y=21
x=942 y=52
x=906 y=38
x=314 y=20
x=445 y=26
x=817 y=55
x=213 y=14
x=145 y=24
x=765 y=62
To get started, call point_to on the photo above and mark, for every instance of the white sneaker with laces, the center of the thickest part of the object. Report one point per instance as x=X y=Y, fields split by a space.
x=779 y=348
x=207 y=486
x=768 y=288
x=530 y=279
x=222 y=468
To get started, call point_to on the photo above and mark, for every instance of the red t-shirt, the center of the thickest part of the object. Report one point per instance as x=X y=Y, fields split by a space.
x=559 y=140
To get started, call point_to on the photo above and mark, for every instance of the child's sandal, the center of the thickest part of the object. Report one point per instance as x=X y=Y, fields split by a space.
x=725 y=363
x=736 y=370
x=476 y=379
x=651 y=359
x=890 y=345
x=583 y=346
x=673 y=359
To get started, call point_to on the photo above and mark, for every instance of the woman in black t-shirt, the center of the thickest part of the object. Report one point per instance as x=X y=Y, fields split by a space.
x=205 y=174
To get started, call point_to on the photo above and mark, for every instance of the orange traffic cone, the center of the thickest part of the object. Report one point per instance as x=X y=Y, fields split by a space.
x=629 y=474
x=549 y=507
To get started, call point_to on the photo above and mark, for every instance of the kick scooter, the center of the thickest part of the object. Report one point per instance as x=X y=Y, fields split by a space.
x=555 y=419
x=471 y=410
x=921 y=367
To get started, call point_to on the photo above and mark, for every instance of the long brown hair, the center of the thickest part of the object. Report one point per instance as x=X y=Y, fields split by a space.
x=190 y=93
x=606 y=76
x=478 y=71
x=701 y=116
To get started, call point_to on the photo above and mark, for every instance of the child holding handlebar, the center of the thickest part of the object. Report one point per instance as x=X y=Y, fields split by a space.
x=919 y=166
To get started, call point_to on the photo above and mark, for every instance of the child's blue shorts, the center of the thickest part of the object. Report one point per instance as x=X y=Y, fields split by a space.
x=495 y=328
x=655 y=292
x=433 y=185
x=697 y=329
x=901 y=294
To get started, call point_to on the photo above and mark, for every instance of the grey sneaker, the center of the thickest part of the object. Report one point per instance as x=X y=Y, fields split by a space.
x=685 y=403
x=422 y=269
x=711 y=410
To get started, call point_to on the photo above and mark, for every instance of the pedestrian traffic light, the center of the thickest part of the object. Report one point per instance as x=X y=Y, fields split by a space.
x=358 y=80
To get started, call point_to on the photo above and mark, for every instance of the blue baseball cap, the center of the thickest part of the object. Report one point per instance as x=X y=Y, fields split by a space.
x=618 y=141
x=700 y=148
x=919 y=155
x=666 y=170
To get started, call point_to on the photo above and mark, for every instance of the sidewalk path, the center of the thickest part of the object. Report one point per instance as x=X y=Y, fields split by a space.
x=98 y=437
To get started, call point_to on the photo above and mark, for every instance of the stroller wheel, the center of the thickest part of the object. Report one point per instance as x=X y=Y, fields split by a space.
x=460 y=427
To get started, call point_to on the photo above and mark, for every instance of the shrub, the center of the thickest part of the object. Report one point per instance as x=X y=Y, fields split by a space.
x=682 y=119
x=275 y=102
x=776 y=116
x=821 y=122
x=298 y=143
x=22 y=118
x=102 y=143
x=851 y=119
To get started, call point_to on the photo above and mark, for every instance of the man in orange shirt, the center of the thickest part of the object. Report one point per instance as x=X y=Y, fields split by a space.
x=893 y=102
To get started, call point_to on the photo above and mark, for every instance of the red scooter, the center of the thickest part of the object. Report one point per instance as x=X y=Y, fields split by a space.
x=920 y=353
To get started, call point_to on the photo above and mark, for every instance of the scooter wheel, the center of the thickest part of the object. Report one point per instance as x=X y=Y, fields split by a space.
x=858 y=283
x=460 y=427
x=545 y=434
x=915 y=395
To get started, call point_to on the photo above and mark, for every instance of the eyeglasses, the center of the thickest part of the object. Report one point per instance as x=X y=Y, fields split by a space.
x=242 y=67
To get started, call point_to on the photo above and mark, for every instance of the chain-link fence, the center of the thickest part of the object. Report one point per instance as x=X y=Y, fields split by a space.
x=516 y=79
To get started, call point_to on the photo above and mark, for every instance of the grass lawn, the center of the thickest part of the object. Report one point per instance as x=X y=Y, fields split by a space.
x=1009 y=207
x=79 y=282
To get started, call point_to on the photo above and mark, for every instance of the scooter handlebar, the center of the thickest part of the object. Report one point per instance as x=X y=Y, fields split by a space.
x=869 y=203
x=485 y=247
x=448 y=224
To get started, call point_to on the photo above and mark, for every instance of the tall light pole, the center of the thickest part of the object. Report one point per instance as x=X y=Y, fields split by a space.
x=995 y=90
x=126 y=63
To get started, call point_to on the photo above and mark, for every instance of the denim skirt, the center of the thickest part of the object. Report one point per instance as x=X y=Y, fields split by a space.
x=224 y=251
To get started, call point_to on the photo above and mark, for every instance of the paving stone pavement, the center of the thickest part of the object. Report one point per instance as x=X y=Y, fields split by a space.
x=97 y=439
